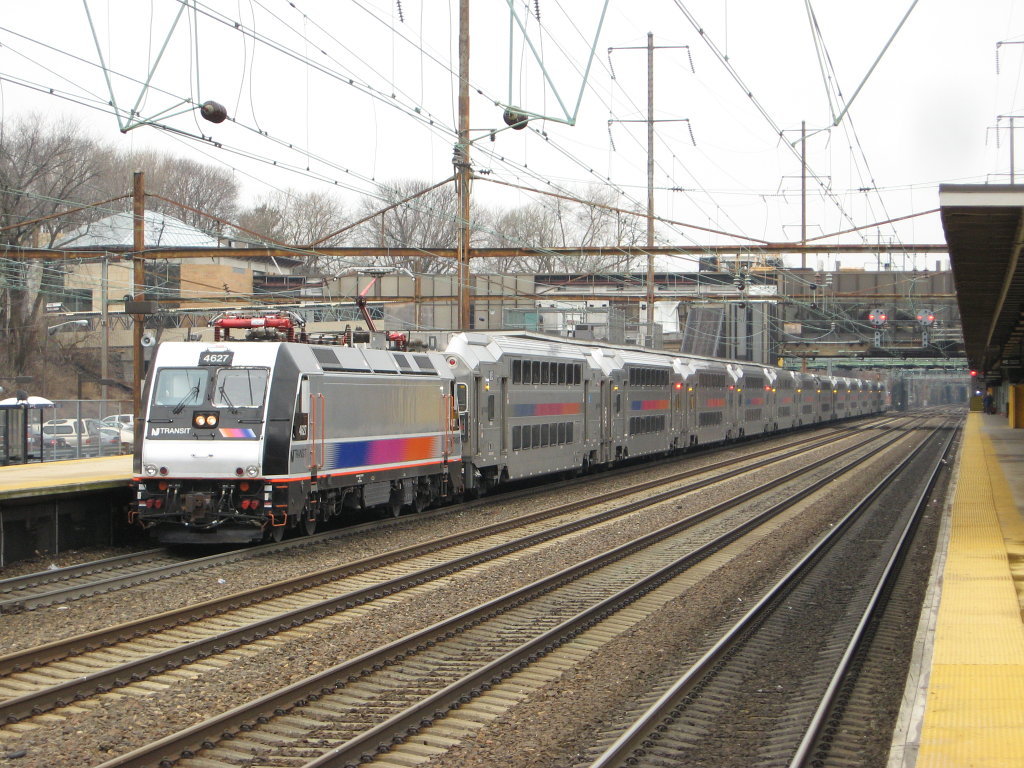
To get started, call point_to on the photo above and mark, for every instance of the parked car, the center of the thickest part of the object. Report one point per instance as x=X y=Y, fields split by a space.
x=37 y=441
x=125 y=424
x=108 y=439
x=72 y=433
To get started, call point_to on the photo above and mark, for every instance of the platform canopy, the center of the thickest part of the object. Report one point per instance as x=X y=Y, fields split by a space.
x=32 y=401
x=984 y=226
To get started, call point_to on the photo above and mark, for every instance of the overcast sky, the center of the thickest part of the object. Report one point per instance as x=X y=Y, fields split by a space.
x=348 y=93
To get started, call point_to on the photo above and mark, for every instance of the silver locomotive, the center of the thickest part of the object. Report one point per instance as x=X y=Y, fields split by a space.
x=248 y=440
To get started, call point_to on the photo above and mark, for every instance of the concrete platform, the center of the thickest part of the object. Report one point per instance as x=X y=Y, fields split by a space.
x=964 y=701
x=54 y=506
x=22 y=481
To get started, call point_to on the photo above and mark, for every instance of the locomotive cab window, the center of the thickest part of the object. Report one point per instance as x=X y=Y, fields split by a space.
x=181 y=387
x=240 y=387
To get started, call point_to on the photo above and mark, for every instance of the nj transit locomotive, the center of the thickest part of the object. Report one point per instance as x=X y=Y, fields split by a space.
x=248 y=440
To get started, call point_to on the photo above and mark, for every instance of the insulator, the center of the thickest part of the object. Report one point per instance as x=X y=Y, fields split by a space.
x=214 y=112
x=514 y=119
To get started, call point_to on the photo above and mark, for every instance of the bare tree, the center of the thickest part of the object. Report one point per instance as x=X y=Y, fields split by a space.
x=202 y=193
x=44 y=168
x=598 y=220
x=263 y=222
x=427 y=221
x=313 y=219
x=528 y=227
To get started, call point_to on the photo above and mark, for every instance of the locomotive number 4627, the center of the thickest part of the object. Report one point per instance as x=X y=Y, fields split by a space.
x=221 y=357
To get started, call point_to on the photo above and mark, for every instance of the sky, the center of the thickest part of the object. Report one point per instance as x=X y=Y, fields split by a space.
x=344 y=95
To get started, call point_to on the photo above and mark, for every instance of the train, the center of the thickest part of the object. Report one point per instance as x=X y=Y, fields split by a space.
x=247 y=440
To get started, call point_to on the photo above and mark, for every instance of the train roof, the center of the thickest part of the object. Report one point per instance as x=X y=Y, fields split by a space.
x=478 y=346
x=310 y=358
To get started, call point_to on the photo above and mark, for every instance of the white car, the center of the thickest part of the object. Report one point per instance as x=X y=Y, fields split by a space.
x=72 y=433
x=125 y=424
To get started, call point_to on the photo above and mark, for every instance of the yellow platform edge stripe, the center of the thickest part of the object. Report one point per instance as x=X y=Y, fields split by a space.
x=974 y=713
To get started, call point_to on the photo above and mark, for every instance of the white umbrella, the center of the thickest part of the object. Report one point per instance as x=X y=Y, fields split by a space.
x=33 y=401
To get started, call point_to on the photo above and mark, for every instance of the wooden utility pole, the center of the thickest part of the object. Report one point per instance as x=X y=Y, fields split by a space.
x=139 y=288
x=650 y=182
x=462 y=168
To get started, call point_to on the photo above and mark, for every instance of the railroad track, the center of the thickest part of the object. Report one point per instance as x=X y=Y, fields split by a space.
x=740 y=678
x=62 y=585
x=408 y=700
x=62 y=672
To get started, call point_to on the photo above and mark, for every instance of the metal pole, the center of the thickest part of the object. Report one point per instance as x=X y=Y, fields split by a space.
x=417 y=303
x=1012 y=176
x=462 y=165
x=803 y=191
x=138 y=290
x=106 y=330
x=650 y=182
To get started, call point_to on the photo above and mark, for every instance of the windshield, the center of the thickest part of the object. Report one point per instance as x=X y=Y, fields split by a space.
x=240 y=387
x=178 y=387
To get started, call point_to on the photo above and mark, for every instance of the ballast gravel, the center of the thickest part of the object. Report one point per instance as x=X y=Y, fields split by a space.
x=550 y=728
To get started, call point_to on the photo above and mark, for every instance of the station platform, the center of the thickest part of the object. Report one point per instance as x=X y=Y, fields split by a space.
x=53 y=506
x=48 y=478
x=964 y=700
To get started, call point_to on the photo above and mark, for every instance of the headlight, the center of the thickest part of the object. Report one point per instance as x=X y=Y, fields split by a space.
x=252 y=471
x=208 y=420
x=150 y=470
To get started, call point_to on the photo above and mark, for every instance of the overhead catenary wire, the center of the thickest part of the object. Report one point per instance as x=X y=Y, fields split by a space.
x=357 y=187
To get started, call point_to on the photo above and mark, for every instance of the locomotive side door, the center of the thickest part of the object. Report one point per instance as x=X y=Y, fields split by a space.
x=309 y=427
x=298 y=457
